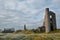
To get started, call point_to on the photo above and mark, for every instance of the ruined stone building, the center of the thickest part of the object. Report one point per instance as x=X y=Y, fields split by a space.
x=49 y=21
x=11 y=30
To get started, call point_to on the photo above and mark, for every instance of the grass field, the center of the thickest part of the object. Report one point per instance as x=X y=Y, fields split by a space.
x=29 y=35
x=37 y=36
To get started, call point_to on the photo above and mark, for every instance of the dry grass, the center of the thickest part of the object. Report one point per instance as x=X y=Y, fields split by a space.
x=29 y=35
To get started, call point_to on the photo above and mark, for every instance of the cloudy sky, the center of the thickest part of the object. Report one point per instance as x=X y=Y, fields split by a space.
x=16 y=13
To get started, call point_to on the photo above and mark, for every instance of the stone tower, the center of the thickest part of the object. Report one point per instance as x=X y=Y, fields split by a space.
x=49 y=20
x=24 y=27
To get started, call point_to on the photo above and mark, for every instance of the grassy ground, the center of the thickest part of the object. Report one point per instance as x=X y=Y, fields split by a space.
x=52 y=36
x=55 y=35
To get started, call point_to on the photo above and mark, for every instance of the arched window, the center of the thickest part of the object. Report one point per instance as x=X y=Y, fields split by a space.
x=50 y=16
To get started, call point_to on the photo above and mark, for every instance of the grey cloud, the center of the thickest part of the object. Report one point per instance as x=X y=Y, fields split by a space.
x=16 y=13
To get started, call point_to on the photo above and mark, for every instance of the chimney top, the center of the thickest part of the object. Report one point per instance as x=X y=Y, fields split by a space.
x=47 y=9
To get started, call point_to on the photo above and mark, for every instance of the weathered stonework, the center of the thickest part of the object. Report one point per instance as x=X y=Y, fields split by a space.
x=49 y=20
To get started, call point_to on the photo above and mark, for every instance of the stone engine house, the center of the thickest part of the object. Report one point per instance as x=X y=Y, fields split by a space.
x=49 y=21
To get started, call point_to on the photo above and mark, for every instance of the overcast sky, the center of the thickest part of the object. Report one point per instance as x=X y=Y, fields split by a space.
x=16 y=13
